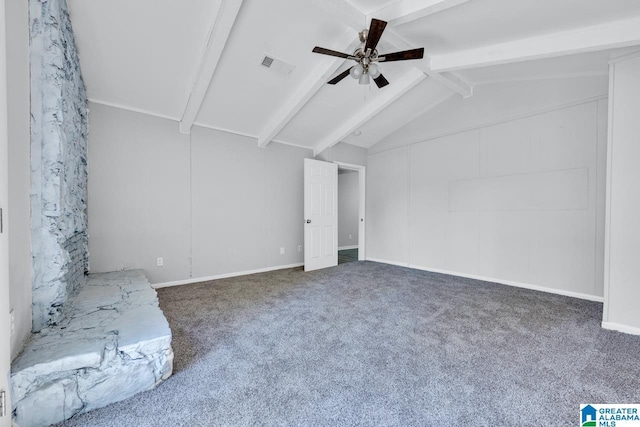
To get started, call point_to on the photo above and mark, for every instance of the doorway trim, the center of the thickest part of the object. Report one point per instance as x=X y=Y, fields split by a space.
x=361 y=204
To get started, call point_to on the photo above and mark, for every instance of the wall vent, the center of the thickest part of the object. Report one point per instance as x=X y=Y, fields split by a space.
x=277 y=65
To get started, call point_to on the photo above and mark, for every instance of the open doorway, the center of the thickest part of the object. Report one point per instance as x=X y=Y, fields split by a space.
x=348 y=215
x=351 y=206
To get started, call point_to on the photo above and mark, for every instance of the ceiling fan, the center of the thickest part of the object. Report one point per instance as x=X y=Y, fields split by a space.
x=367 y=57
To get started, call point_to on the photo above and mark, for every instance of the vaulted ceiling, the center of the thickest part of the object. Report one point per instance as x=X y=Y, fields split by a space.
x=199 y=62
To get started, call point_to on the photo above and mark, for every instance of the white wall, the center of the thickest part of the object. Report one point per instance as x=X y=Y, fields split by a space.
x=17 y=32
x=622 y=289
x=138 y=203
x=247 y=203
x=388 y=206
x=495 y=103
x=348 y=204
x=209 y=203
x=519 y=200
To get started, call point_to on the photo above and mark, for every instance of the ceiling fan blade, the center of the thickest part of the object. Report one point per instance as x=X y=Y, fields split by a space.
x=375 y=32
x=402 y=56
x=330 y=52
x=381 y=81
x=339 y=77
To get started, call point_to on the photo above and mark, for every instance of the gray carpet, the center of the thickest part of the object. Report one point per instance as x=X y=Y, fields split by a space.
x=367 y=344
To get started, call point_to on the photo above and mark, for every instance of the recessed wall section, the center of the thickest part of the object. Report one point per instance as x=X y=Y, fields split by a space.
x=557 y=190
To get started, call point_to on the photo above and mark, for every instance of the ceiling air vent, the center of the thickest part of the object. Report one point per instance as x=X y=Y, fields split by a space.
x=267 y=62
x=277 y=65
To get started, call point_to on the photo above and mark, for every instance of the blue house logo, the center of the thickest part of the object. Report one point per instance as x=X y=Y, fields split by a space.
x=588 y=416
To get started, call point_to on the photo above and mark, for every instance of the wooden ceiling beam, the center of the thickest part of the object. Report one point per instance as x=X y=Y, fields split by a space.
x=353 y=19
x=216 y=42
x=308 y=89
x=449 y=80
x=617 y=34
x=386 y=97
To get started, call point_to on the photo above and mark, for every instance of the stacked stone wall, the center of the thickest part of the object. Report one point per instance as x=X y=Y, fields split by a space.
x=76 y=247
x=58 y=162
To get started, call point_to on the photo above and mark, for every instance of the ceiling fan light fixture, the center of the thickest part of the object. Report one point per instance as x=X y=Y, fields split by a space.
x=356 y=71
x=364 y=79
x=373 y=70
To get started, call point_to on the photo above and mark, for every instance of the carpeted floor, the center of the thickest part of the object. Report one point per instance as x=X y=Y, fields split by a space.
x=367 y=344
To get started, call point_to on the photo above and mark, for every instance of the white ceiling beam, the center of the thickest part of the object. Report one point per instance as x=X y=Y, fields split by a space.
x=386 y=97
x=218 y=36
x=308 y=89
x=611 y=35
x=449 y=80
x=409 y=10
x=430 y=105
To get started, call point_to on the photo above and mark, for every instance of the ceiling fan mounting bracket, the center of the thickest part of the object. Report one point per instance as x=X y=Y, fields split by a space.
x=363 y=35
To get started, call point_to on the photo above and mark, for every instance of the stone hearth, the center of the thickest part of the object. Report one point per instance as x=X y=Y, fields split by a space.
x=112 y=343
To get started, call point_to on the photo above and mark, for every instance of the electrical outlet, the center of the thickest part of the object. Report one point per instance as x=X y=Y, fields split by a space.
x=299 y=248
x=160 y=262
x=349 y=236
x=281 y=251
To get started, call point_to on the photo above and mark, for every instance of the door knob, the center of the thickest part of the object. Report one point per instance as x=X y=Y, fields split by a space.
x=308 y=221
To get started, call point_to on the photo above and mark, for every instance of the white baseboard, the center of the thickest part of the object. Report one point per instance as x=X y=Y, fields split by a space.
x=341 y=248
x=500 y=281
x=384 y=261
x=621 y=328
x=224 y=276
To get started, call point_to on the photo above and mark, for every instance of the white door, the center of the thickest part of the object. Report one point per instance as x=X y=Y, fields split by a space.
x=320 y=214
x=5 y=328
